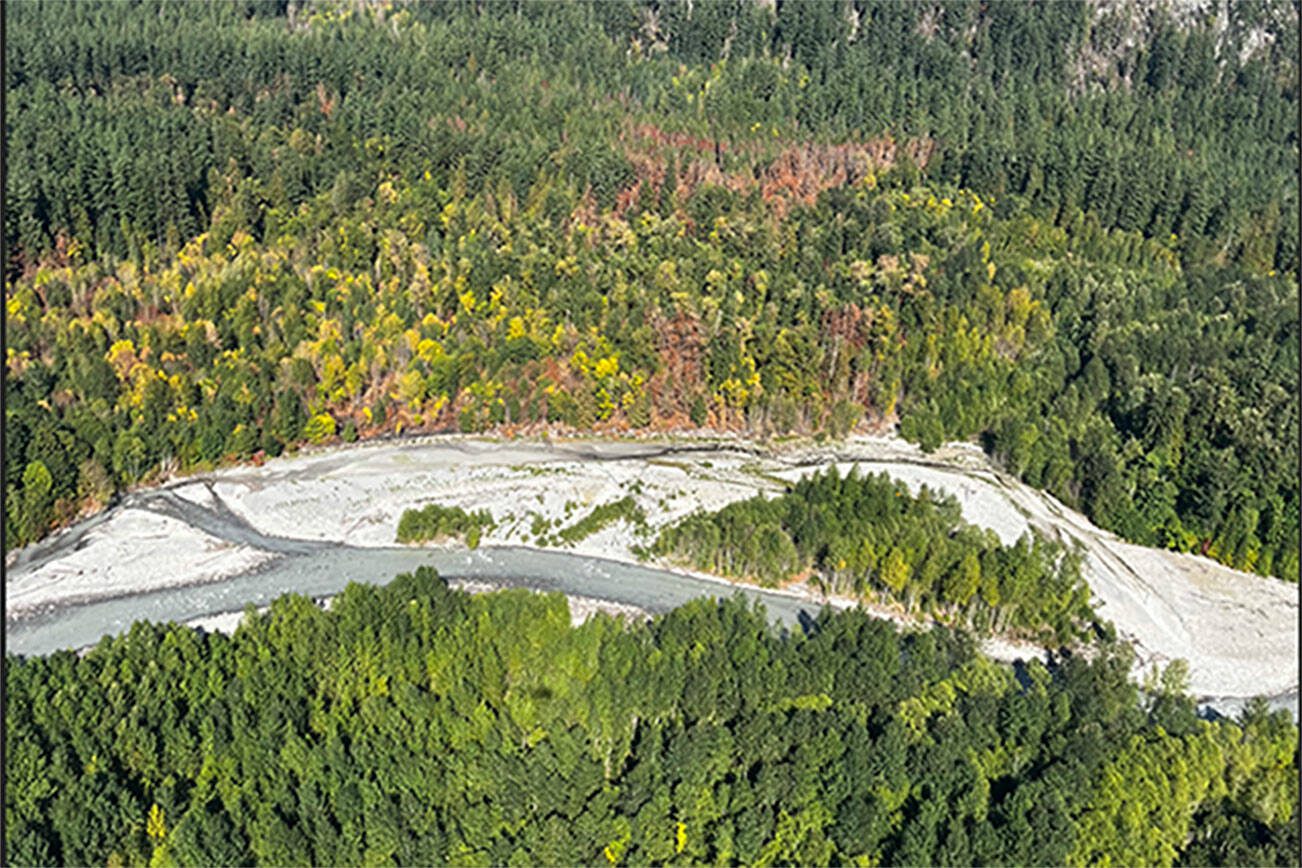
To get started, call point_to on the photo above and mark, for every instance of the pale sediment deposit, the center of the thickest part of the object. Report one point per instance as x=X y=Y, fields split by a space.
x=132 y=549
x=1238 y=632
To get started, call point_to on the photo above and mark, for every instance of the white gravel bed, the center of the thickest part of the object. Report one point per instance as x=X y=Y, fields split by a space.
x=131 y=551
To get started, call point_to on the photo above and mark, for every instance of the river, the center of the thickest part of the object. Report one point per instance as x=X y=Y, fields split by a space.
x=326 y=572
x=314 y=523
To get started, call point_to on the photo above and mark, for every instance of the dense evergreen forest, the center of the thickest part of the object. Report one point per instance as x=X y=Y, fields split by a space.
x=1067 y=230
x=420 y=725
x=868 y=537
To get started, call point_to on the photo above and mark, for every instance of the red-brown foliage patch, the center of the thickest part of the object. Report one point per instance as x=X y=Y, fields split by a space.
x=796 y=176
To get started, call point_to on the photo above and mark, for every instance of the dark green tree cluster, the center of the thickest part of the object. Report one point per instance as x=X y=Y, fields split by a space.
x=437 y=523
x=1156 y=121
x=1070 y=231
x=1178 y=415
x=868 y=536
x=412 y=724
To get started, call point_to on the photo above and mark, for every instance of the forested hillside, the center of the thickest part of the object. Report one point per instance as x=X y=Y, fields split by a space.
x=419 y=725
x=1068 y=230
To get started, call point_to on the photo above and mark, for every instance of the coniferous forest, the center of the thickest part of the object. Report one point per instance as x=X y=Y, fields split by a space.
x=413 y=724
x=1067 y=230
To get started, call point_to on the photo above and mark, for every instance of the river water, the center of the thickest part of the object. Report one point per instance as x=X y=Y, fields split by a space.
x=328 y=571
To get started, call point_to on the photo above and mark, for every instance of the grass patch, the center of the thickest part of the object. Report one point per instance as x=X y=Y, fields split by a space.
x=625 y=508
x=532 y=469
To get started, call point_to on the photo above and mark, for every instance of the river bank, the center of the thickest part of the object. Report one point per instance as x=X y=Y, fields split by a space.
x=225 y=538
